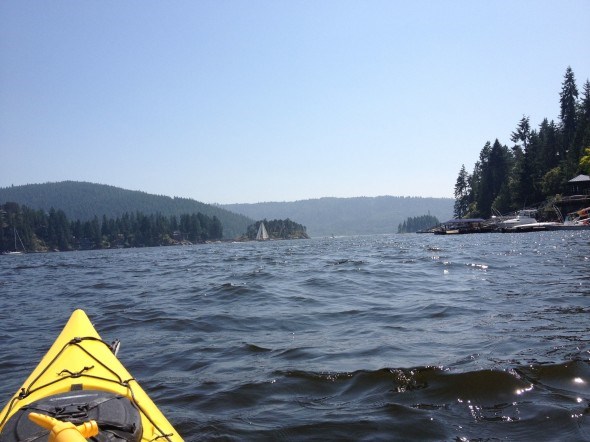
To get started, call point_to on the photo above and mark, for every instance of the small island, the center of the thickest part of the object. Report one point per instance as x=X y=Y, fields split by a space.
x=275 y=229
x=418 y=224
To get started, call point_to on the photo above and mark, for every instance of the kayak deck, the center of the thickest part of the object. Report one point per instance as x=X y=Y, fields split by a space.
x=79 y=360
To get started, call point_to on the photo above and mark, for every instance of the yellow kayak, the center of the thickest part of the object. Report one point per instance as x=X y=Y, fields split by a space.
x=80 y=379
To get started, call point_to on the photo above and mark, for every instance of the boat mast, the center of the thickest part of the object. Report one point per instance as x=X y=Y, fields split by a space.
x=21 y=241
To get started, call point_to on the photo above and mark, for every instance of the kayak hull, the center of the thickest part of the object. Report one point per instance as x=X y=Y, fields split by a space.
x=80 y=360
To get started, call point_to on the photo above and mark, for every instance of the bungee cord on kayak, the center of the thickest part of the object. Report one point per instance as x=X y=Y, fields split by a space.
x=25 y=392
x=102 y=387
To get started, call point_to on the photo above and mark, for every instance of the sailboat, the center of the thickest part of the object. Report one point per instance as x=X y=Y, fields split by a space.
x=16 y=251
x=262 y=234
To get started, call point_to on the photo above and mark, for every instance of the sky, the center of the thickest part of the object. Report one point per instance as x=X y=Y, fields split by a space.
x=244 y=101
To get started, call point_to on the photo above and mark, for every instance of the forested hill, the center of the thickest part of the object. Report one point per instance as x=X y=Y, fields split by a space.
x=83 y=201
x=349 y=216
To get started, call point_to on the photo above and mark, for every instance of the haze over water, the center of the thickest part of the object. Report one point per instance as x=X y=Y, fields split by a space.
x=393 y=337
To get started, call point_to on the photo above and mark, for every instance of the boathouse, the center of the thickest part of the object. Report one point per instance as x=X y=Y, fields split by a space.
x=577 y=196
x=579 y=185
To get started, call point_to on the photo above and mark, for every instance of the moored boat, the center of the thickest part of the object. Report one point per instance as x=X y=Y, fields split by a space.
x=522 y=217
x=531 y=227
x=80 y=380
x=577 y=220
x=523 y=221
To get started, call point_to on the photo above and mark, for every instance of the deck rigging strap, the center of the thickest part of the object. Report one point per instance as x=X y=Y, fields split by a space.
x=58 y=412
x=25 y=392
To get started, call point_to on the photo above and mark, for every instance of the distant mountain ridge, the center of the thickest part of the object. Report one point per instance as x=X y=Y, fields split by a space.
x=84 y=201
x=322 y=217
x=349 y=216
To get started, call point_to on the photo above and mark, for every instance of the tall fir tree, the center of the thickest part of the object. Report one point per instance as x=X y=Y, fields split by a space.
x=462 y=193
x=583 y=140
x=549 y=147
x=568 y=102
x=522 y=133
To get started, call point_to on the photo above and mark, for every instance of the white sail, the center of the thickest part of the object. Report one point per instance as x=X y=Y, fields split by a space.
x=262 y=233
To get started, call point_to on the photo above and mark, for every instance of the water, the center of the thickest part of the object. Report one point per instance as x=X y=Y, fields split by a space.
x=399 y=337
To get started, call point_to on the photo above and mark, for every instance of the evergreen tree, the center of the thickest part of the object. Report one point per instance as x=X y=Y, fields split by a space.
x=585 y=105
x=521 y=177
x=77 y=232
x=583 y=132
x=462 y=194
x=61 y=227
x=216 y=229
x=173 y=223
x=549 y=147
x=94 y=232
x=51 y=238
x=495 y=162
x=104 y=227
x=522 y=133
x=567 y=115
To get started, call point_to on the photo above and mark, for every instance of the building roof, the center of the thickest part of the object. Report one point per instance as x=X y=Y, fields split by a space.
x=580 y=179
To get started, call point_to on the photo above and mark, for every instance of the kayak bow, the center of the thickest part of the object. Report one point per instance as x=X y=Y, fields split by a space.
x=80 y=379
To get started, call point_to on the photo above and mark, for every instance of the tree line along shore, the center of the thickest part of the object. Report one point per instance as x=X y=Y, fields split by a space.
x=38 y=230
x=536 y=167
x=25 y=229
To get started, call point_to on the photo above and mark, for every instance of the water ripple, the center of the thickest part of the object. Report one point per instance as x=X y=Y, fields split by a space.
x=393 y=337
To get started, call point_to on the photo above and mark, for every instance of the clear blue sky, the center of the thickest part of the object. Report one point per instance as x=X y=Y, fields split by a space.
x=247 y=101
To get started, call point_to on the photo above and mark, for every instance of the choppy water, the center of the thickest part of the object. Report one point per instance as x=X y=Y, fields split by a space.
x=401 y=337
